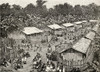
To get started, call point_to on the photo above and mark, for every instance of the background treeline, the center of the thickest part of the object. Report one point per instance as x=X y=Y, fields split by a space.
x=14 y=17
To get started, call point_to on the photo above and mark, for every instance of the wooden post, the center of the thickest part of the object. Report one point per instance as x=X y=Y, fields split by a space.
x=63 y=68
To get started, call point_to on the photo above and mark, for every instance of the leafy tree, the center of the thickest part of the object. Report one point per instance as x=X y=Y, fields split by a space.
x=10 y=24
x=5 y=10
x=59 y=8
x=86 y=10
x=30 y=9
x=68 y=9
x=52 y=12
x=78 y=10
x=64 y=9
x=41 y=8
x=18 y=12
x=16 y=7
x=95 y=9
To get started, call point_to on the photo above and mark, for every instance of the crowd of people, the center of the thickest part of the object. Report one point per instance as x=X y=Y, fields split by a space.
x=49 y=66
x=17 y=63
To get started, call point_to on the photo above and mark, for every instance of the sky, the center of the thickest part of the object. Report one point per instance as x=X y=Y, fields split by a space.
x=50 y=3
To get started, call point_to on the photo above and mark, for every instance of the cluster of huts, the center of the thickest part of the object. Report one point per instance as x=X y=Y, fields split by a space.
x=79 y=53
x=73 y=55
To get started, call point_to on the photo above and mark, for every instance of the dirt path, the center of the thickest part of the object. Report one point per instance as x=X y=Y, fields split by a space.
x=27 y=67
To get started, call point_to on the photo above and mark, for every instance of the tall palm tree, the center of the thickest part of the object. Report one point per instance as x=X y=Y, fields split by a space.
x=40 y=3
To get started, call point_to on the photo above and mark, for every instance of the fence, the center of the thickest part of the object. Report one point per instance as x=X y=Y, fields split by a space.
x=69 y=65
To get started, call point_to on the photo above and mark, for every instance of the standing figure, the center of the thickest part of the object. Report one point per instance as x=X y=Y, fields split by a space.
x=49 y=49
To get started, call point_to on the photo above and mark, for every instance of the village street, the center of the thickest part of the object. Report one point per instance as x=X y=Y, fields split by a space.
x=28 y=67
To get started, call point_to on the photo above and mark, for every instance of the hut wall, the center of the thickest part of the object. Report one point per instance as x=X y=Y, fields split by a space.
x=58 y=32
x=70 y=36
x=71 y=29
x=73 y=58
x=17 y=37
x=77 y=27
x=36 y=38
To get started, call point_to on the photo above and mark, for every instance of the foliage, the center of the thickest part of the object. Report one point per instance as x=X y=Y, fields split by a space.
x=10 y=24
x=78 y=10
x=64 y=9
x=30 y=9
x=5 y=10
x=39 y=9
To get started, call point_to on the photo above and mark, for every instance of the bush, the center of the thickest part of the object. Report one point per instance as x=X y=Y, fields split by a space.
x=54 y=55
